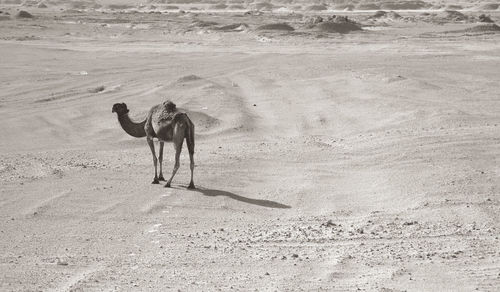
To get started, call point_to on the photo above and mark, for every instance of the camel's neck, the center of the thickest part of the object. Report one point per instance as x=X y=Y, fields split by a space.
x=132 y=128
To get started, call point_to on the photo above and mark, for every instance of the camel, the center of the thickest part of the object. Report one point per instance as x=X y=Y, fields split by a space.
x=165 y=123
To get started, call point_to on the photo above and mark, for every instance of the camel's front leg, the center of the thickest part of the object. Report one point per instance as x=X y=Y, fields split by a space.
x=160 y=158
x=155 y=161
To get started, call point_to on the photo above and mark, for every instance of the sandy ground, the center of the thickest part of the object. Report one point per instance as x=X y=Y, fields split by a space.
x=364 y=161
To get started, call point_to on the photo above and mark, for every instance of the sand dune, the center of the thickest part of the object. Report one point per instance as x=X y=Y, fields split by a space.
x=264 y=6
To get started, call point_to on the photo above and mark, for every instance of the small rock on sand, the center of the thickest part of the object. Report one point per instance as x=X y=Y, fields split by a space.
x=276 y=26
x=188 y=78
x=62 y=262
x=97 y=89
x=490 y=27
x=337 y=27
x=485 y=18
x=24 y=14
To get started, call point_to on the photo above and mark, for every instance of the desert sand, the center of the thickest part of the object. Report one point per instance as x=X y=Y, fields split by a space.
x=361 y=160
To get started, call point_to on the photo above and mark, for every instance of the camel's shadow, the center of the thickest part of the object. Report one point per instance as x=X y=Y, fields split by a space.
x=263 y=203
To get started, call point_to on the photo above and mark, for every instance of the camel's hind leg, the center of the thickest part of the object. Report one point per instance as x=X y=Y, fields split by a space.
x=160 y=159
x=190 y=145
x=155 y=161
x=191 y=184
x=178 y=140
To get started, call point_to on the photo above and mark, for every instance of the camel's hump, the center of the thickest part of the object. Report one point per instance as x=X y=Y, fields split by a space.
x=167 y=116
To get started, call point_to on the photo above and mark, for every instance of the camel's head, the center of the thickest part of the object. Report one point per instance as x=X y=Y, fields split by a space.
x=120 y=108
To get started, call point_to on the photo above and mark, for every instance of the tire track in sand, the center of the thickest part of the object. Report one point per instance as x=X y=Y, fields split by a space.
x=71 y=283
x=40 y=207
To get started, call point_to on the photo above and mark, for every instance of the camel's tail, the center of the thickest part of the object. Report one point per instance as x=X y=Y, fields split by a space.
x=190 y=135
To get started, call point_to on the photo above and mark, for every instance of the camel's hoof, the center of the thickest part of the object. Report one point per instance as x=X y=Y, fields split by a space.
x=161 y=178
x=155 y=181
x=191 y=186
x=167 y=185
